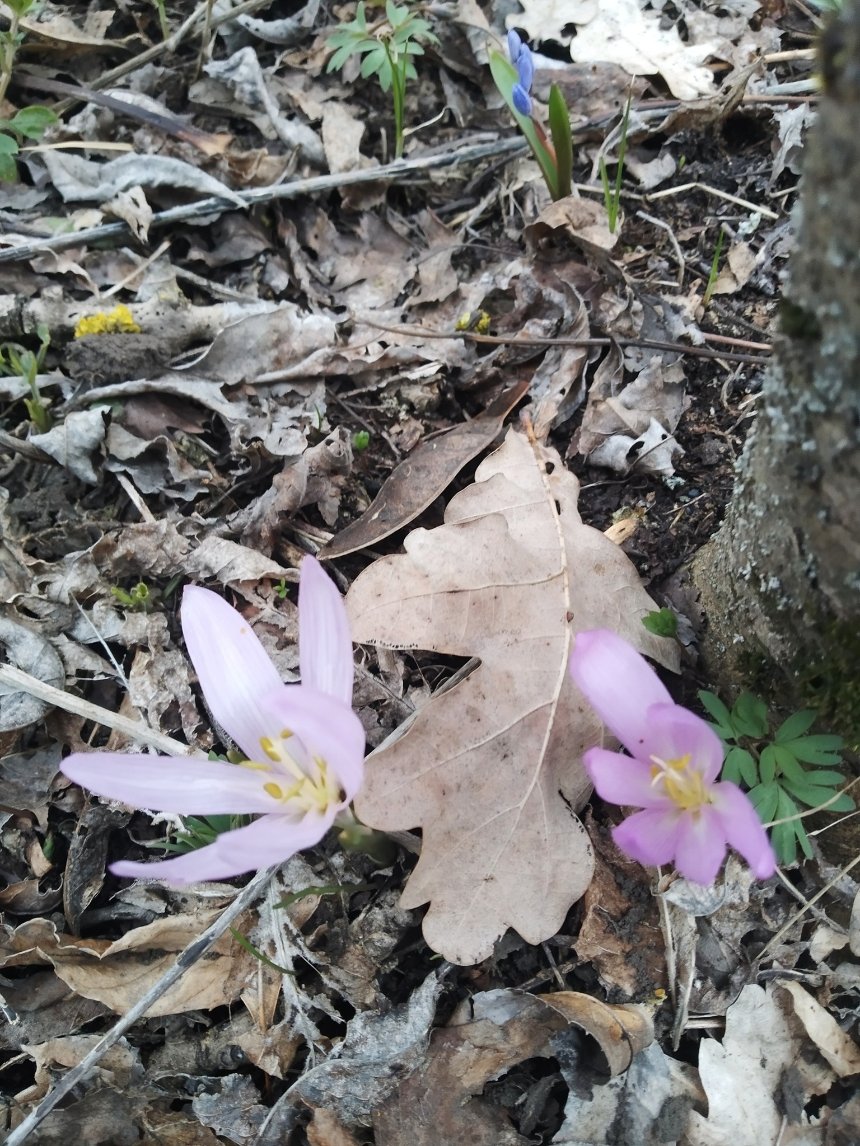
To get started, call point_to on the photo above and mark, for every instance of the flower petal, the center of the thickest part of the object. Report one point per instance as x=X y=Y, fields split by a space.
x=268 y=841
x=674 y=732
x=515 y=45
x=171 y=784
x=701 y=846
x=325 y=645
x=743 y=829
x=326 y=727
x=272 y=839
x=618 y=683
x=622 y=780
x=526 y=67
x=521 y=99
x=650 y=837
x=233 y=667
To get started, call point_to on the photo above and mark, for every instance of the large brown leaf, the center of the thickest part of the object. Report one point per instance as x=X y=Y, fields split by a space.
x=492 y=769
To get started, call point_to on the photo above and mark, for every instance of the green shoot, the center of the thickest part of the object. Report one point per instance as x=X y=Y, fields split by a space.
x=612 y=194
x=770 y=765
x=388 y=48
x=505 y=75
x=27 y=364
x=138 y=599
x=162 y=18
x=661 y=622
x=258 y=954
x=715 y=267
x=360 y=440
x=29 y=122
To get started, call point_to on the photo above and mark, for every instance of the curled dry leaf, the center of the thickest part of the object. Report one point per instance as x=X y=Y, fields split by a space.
x=492 y=769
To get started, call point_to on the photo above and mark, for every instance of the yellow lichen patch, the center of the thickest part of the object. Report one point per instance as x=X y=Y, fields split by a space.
x=116 y=321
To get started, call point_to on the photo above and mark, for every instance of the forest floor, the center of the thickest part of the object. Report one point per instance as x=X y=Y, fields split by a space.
x=307 y=317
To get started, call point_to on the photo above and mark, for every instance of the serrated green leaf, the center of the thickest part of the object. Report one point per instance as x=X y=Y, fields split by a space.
x=795 y=725
x=740 y=768
x=31 y=122
x=765 y=799
x=767 y=764
x=819 y=749
x=749 y=715
x=713 y=705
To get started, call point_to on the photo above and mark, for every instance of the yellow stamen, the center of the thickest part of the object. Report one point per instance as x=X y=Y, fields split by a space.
x=268 y=746
x=682 y=784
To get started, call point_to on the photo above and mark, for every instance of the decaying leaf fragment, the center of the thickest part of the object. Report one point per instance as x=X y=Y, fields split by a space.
x=491 y=769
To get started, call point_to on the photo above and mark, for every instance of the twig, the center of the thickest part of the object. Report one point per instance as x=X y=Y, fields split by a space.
x=401 y=169
x=520 y=340
x=187 y=958
x=21 y=681
x=717 y=193
x=25 y=449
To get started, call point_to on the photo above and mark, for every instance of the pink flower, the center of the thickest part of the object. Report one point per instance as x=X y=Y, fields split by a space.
x=304 y=744
x=687 y=815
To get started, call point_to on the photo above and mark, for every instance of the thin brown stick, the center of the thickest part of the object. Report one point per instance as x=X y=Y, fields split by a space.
x=528 y=340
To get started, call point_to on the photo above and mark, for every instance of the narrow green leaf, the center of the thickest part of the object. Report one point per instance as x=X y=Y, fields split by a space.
x=785 y=836
x=713 y=705
x=814 y=797
x=749 y=715
x=787 y=763
x=795 y=725
x=820 y=749
x=740 y=768
x=562 y=141
x=765 y=798
x=767 y=764
x=505 y=76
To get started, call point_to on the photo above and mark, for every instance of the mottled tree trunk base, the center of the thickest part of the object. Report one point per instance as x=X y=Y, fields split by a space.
x=780 y=582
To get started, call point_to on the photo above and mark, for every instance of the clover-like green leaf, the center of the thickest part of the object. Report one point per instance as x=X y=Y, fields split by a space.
x=749 y=716
x=795 y=725
x=740 y=767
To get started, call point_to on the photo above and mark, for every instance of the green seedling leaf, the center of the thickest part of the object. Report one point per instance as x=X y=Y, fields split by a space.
x=252 y=950
x=715 y=707
x=765 y=799
x=814 y=796
x=787 y=765
x=749 y=716
x=562 y=141
x=323 y=889
x=767 y=764
x=741 y=768
x=795 y=726
x=785 y=837
x=505 y=76
x=820 y=749
x=661 y=622
x=8 y=151
x=32 y=121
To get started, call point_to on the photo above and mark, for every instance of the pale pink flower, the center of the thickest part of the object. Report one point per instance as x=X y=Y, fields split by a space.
x=688 y=816
x=303 y=742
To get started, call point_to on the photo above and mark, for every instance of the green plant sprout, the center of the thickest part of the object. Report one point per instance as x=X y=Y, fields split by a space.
x=612 y=193
x=27 y=364
x=28 y=122
x=770 y=766
x=139 y=599
x=661 y=622
x=388 y=48
x=162 y=18
x=360 y=440
x=715 y=267
x=554 y=154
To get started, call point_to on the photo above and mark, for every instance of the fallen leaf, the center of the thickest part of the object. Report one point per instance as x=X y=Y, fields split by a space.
x=422 y=477
x=622 y=33
x=492 y=768
x=27 y=650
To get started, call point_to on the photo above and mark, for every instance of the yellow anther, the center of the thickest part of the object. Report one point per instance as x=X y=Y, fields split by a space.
x=274 y=790
x=286 y=734
x=682 y=784
x=270 y=750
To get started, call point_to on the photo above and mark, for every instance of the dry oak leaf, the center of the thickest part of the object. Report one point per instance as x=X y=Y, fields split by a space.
x=492 y=768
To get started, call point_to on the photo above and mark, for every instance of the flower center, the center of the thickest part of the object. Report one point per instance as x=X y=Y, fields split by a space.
x=302 y=789
x=682 y=784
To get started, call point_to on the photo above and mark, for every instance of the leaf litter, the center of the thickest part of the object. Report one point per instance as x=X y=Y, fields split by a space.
x=224 y=440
